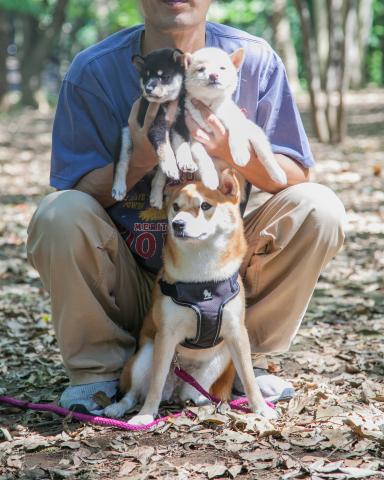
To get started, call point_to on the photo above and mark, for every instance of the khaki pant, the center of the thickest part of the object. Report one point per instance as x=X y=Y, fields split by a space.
x=99 y=294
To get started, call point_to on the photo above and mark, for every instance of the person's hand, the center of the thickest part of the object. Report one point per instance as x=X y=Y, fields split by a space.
x=144 y=155
x=216 y=141
x=144 y=158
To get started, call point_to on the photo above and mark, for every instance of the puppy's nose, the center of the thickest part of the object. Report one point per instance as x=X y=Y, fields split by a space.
x=178 y=226
x=213 y=77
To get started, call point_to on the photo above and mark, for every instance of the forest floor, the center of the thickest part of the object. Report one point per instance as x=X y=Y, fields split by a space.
x=333 y=428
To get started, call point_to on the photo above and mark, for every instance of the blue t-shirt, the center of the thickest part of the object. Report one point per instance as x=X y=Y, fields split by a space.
x=95 y=101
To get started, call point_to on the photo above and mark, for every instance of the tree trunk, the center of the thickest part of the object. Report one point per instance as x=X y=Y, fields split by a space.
x=327 y=96
x=34 y=57
x=312 y=63
x=362 y=15
x=4 y=42
x=320 y=25
x=283 y=42
x=334 y=67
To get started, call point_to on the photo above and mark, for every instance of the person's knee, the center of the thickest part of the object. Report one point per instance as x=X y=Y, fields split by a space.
x=61 y=219
x=323 y=211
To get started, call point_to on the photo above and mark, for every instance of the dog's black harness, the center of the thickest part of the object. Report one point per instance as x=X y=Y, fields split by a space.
x=208 y=300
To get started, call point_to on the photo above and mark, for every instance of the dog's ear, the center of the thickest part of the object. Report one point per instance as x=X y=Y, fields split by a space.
x=237 y=58
x=169 y=192
x=229 y=185
x=185 y=59
x=138 y=62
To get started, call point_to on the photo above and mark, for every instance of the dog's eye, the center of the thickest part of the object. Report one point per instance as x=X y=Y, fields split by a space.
x=201 y=69
x=206 y=206
x=176 y=207
x=222 y=68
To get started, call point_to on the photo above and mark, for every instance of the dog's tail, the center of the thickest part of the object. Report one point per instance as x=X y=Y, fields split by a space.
x=263 y=150
x=222 y=388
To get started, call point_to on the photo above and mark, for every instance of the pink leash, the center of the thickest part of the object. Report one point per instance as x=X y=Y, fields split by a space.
x=109 y=422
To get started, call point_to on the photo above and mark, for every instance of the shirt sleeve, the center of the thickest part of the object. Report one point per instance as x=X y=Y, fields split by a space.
x=278 y=115
x=86 y=135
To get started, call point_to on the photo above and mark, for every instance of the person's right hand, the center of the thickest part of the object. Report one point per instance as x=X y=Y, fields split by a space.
x=144 y=157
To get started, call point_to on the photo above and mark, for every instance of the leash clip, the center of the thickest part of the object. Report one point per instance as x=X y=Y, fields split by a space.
x=176 y=360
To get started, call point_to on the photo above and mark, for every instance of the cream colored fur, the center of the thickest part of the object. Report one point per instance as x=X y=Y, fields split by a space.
x=202 y=66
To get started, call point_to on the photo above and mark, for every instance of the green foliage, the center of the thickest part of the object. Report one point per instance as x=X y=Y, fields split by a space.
x=85 y=25
x=36 y=8
x=375 y=57
x=125 y=15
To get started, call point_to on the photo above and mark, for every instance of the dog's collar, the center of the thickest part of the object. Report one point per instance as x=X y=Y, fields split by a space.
x=208 y=300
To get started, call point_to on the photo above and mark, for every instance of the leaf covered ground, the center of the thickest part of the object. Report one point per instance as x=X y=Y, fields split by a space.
x=334 y=428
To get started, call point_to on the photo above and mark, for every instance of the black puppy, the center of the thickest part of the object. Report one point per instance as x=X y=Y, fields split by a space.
x=162 y=81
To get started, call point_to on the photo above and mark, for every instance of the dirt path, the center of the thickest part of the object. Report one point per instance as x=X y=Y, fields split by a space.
x=334 y=428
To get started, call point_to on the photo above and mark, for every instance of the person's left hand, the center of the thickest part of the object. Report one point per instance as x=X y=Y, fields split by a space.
x=216 y=141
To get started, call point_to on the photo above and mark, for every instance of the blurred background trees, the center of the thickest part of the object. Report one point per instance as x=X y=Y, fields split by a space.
x=328 y=46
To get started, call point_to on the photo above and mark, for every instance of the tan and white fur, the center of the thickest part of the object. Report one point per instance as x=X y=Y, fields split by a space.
x=211 y=77
x=210 y=247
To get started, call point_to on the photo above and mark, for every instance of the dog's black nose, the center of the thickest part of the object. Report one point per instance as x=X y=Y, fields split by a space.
x=178 y=226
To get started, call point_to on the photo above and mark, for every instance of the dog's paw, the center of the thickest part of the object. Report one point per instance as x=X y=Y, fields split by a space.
x=184 y=159
x=267 y=412
x=279 y=176
x=171 y=170
x=156 y=199
x=115 y=410
x=119 y=190
x=118 y=194
x=240 y=153
x=186 y=164
x=141 y=419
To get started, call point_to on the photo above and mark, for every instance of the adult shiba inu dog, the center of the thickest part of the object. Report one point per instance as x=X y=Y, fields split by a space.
x=198 y=307
x=211 y=77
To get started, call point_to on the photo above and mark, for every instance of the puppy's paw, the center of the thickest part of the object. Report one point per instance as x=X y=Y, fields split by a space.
x=115 y=410
x=278 y=175
x=119 y=190
x=167 y=162
x=141 y=419
x=156 y=199
x=184 y=159
x=170 y=170
x=240 y=153
x=186 y=164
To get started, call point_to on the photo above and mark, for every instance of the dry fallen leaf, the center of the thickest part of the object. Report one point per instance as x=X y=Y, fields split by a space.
x=127 y=468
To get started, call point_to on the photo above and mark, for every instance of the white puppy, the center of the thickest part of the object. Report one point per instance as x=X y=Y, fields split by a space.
x=211 y=77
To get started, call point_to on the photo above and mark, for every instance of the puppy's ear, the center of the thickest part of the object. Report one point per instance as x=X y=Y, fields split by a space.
x=178 y=55
x=138 y=62
x=237 y=57
x=185 y=59
x=229 y=185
